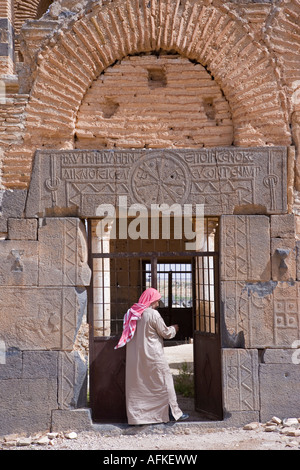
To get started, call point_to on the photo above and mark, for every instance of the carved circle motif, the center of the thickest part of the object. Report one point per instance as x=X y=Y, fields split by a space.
x=160 y=179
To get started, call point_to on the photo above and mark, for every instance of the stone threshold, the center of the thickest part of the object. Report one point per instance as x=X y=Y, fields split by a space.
x=81 y=420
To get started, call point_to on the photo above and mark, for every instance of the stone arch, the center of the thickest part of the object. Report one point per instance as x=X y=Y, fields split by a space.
x=204 y=31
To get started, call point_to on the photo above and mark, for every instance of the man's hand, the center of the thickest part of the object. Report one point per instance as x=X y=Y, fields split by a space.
x=176 y=327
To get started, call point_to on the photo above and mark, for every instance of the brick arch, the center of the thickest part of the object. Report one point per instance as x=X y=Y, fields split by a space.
x=154 y=101
x=200 y=30
x=28 y=10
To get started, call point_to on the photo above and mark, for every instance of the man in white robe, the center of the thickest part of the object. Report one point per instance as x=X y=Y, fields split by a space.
x=150 y=393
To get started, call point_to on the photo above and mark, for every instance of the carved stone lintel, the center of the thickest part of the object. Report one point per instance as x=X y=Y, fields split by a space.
x=225 y=180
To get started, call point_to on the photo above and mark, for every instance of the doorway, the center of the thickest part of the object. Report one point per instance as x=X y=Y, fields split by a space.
x=173 y=279
x=188 y=283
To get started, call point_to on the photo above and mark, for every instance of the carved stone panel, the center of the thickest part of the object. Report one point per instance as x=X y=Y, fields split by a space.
x=63 y=253
x=260 y=315
x=245 y=248
x=286 y=313
x=248 y=314
x=240 y=379
x=19 y=263
x=40 y=318
x=72 y=380
x=224 y=180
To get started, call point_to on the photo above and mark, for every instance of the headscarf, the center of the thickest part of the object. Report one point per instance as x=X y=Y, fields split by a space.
x=135 y=313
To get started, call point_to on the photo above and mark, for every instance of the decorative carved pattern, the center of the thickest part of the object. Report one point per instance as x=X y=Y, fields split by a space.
x=223 y=179
x=240 y=378
x=286 y=313
x=266 y=314
x=62 y=248
x=69 y=320
x=66 y=380
x=160 y=178
x=245 y=253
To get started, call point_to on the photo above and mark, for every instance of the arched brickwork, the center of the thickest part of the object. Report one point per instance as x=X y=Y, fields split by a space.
x=154 y=101
x=283 y=39
x=204 y=31
x=28 y=10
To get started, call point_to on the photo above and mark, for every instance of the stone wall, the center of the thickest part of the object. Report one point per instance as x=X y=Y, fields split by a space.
x=42 y=303
x=163 y=74
x=260 y=295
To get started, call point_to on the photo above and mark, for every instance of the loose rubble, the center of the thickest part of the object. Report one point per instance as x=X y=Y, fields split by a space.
x=39 y=439
x=286 y=428
x=277 y=433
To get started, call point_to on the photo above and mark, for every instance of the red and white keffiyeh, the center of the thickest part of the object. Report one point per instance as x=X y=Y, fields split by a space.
x=134 y=314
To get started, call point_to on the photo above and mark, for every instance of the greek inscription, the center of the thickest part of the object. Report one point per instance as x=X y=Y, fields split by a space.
x=226 y=172
x=93 y=174
x=97 y=158
x=223 y=179
x=215 y=157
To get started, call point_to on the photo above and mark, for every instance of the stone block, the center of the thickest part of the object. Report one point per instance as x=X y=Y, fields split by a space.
x=225 y=180
x=240 y=418
x=281 y=356
x=19 y=263
x=240 y=380
x=283 y=253
x=245 y=248
x=298 y=260
x=40 y=364
x=248 y=314
x=71 y=420
x=26 y=405
x=12 y=204
x=72 y=380
x=283 y=226
x=279 y=390
x=63 y=253
x=22 y=229
x=41 y=318
x=260 y=315
x=12 y=365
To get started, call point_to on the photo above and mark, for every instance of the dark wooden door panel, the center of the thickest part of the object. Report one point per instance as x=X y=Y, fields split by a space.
x=107 y=381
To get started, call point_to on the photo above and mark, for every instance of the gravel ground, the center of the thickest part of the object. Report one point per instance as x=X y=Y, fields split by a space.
x=167 y=438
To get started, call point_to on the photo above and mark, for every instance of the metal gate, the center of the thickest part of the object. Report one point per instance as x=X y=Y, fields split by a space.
x=188 y=283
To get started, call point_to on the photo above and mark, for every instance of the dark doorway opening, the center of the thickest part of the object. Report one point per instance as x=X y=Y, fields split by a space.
x=188 y=282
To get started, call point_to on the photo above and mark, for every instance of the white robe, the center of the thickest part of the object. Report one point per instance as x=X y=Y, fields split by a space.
x=149 y=382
